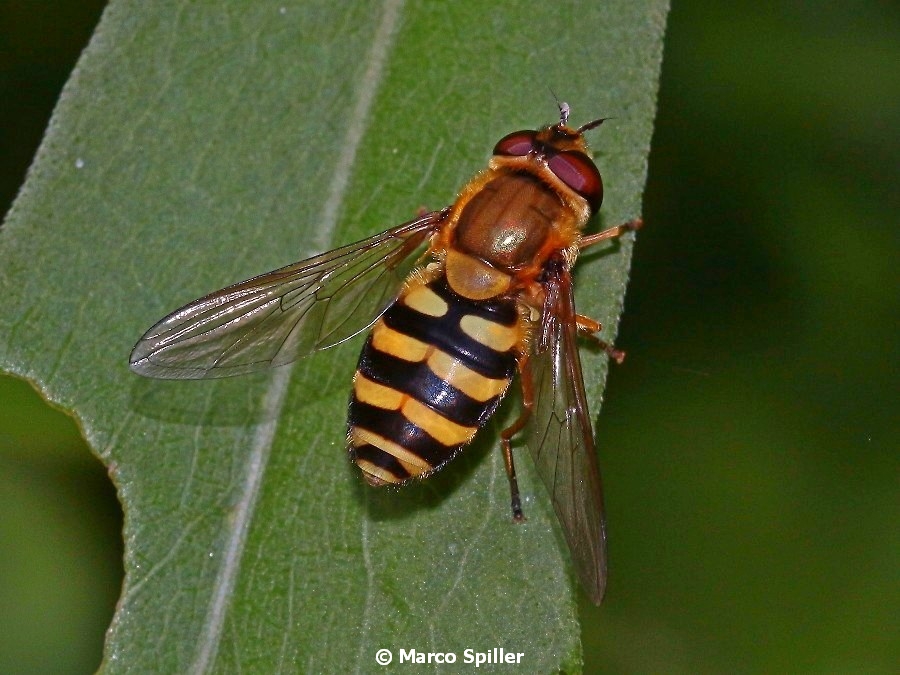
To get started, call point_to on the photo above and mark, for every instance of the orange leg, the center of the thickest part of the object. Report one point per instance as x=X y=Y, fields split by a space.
x=590 y=328
x=512 y=430
x=611 y=233
x=586 y=324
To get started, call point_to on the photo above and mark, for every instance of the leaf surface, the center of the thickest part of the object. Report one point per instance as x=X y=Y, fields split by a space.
x=196 y=145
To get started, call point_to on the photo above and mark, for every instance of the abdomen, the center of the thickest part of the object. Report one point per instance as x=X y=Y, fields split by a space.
x=430 y=375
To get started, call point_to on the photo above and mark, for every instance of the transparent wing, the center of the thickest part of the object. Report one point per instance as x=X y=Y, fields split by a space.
x=275 y=318
x=560 y=439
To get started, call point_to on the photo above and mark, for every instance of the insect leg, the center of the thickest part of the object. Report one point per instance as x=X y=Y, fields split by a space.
x=611 y=233
x=586 y=324
x=591 y=327
x=512 y=430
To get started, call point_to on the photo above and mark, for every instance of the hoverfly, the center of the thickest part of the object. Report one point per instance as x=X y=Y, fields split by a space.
x=490 y=296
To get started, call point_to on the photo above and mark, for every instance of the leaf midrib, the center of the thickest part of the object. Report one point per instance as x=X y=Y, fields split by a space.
x=277 y=389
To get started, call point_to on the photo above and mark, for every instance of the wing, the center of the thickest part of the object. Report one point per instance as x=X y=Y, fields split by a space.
x=275 y=318
x=560 y=439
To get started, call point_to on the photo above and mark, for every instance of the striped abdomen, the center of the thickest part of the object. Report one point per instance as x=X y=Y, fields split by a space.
x=431 y=373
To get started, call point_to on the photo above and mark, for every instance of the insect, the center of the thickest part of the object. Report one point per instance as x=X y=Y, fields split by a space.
x=491 y=296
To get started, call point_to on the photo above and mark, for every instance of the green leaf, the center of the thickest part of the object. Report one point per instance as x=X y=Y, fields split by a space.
x=199 y=144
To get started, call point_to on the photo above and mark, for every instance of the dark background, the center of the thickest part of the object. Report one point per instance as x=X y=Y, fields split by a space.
x=749 y=442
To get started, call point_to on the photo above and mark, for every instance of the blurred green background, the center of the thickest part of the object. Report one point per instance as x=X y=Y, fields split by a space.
x=749 y=442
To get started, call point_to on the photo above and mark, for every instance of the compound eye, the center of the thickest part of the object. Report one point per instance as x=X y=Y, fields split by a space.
x=516 y=144
x=576 y=170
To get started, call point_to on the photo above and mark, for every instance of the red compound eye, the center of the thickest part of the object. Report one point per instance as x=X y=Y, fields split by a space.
x=576 y=170
x=516 y=144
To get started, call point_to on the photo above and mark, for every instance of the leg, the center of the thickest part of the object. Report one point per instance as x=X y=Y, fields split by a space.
x=611 y=233
x=512 y=430
x=586 y=324
x=591 y=327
